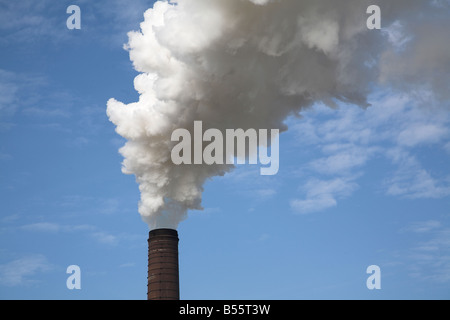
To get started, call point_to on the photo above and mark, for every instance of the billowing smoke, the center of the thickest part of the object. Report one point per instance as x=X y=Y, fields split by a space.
x=253 y=63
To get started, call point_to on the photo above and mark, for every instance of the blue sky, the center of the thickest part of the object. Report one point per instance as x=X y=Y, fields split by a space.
x=356 y=187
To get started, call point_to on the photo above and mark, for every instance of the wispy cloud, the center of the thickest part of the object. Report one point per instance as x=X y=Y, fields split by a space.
x=316 y=204
x=422 y=226
x=429 y=258
x=416 y=184
x=105 y=238
x=112 y=21
x=323 y=194
x=13 y=87
x=44 y=21
x=343 y=160
x=10 y=218
x=410 y=180
x=127 y=265
x=109 y=206
x=45 y=113
x=22 y=271
x=396 y=36
x=266 y=192
x=94 y=232
x=422 y=133
x=264 y=237
x=251 y=183
x=8 y=92
x=5 y=156
x=43 y=227
x=348 y=139
x=98 y=205
x=32 y=97
x=30 y=21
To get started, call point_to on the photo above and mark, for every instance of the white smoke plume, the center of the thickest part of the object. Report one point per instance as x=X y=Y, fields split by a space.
x=251 y=64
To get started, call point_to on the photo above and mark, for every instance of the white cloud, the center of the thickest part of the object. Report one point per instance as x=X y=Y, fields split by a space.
x=100 y=236
x=396 y=35
x=339 y=186
x=266 y=192
x=31 y=96
x=429 y=258
x=422 y=133
x=105 y=238
x=313 y=205
x=80 y=142
x=28 y=20
x=422 y=226
x=447 y=147
x=323 y=194
x=97 y=205
x=109 y=206
x=393 y=129
x=342 y=162
x=412 y=181
x=246 y=180
x=45 y=112
x=52 y=227
x=5 y=156
x=417 y=184
x=21 y=271
x=127 y=265
x=264 y=237
x=43 y=227
x=8 y=92
x=10 y=218
x=305 y=130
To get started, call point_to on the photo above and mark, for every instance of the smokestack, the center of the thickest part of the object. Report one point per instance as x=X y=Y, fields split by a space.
x=163 y=279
